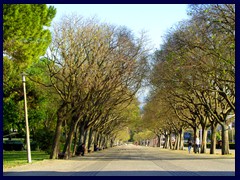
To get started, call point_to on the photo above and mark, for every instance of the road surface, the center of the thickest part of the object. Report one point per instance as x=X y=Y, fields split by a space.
x=131 y=160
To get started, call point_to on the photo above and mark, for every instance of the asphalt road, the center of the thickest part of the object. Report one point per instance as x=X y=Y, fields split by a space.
x=131 y=160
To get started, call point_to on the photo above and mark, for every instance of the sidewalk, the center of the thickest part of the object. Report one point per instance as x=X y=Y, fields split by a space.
x=131 y=160
x=217 y=151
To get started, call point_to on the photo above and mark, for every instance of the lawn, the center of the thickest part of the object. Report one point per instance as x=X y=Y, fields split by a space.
x=16 y=158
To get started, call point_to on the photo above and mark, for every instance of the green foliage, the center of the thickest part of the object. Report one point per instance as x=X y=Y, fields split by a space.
x=10 y=114
x=25 y=36
x=123 y=135
x=143 y=135
x=218 y=136
x=231 y=145
x=43 y=138
x=12 y=83
x=133 y=115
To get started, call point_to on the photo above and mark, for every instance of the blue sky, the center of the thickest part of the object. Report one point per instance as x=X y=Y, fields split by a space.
x=156 y=19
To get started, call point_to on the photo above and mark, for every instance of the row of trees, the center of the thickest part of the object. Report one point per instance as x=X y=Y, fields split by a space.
x=83 y=76
x=82 y=90
x=96 y=70
x=193 y=77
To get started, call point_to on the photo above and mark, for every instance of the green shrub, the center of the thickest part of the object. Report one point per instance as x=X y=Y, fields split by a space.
x=43 y=139
x=231 y=146
x=34 y=146
x=13 y=145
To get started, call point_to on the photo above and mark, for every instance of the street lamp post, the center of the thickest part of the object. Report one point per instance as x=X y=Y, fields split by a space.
x=26 y=119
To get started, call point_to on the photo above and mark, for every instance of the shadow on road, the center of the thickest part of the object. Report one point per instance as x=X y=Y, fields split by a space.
x=132 y=161
x=148 y=157
x=140 y=158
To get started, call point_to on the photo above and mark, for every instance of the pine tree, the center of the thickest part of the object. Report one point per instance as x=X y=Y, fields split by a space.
x=25 y=33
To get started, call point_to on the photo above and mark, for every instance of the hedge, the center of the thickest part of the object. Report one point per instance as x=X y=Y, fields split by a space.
x=10 y=145
x=16 y=145
x=231 y=145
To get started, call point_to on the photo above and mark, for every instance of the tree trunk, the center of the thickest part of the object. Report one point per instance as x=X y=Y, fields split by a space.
x=170 y=141
x=95 y=137
x=159 y=140
x=181 y=145
x=213 y=137
x=85 y=135
x=81 y=135
x=225 y=140
x=90 y=139
x=68 y=143
x=177 y=141
x=204 y=140
x=86 y=132
x=65 y=127
x=196 y=134
x=75 y=141
x=107 y=141
x=111 y=142
x=55 y=146
x=166 y=143
x=100 y=140
x=104 y=142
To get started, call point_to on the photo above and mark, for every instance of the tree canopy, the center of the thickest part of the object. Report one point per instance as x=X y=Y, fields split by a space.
x=26 y=35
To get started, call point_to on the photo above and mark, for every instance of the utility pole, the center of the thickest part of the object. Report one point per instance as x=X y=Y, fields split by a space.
x=26 y=119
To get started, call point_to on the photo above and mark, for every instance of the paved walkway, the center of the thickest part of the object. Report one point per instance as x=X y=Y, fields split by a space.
x=131 y=160
x=217 y=151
